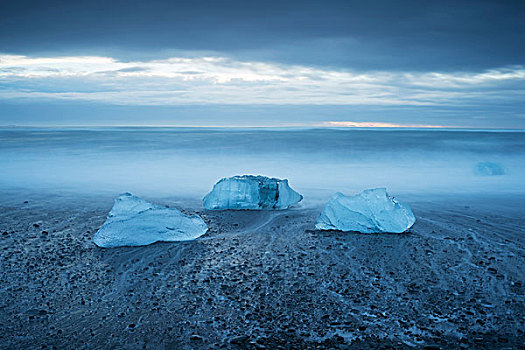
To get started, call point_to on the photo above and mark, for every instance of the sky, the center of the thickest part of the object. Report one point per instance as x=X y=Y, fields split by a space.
x=263 y=63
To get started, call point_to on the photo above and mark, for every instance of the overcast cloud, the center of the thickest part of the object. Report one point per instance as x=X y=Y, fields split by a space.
x=406 y=62
x=219 y=80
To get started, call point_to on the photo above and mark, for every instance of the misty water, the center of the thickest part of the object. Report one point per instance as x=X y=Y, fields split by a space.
x=185 y=163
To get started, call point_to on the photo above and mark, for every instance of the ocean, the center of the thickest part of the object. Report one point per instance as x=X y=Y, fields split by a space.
x=186 y=162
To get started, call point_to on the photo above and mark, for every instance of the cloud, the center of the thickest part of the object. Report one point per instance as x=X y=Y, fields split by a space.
x=221 y=80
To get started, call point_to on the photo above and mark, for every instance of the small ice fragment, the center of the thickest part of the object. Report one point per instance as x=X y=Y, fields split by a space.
x=489 y=169
x=135 y=222
x=371 y=211
x=251 y=192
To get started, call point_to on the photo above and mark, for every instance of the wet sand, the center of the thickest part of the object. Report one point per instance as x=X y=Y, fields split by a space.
x=263 y=280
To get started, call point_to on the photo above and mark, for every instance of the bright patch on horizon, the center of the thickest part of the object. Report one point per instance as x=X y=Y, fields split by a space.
x=379 y=125
x=219 y=80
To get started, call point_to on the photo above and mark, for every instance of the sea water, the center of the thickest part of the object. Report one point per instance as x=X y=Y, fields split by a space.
x=186 y=162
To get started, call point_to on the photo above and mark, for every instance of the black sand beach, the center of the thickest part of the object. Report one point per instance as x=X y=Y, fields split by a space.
x=263 y=280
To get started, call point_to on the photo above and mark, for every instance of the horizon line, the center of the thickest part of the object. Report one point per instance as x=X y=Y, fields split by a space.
x=330 y=126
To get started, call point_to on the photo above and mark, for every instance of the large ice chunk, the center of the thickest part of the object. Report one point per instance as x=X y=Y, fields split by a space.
x=371 y=211
x=134 y=222
x=251 y=192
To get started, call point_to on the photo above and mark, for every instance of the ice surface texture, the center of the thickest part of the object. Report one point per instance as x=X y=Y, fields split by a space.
x=251 y=192
x=134 y=222
x=371 y=211
x=489 y=169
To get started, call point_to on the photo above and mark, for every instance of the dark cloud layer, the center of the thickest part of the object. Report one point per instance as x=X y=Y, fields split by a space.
x=407 y=35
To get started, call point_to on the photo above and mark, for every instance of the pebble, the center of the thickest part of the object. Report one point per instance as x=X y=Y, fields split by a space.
x=239 y=339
